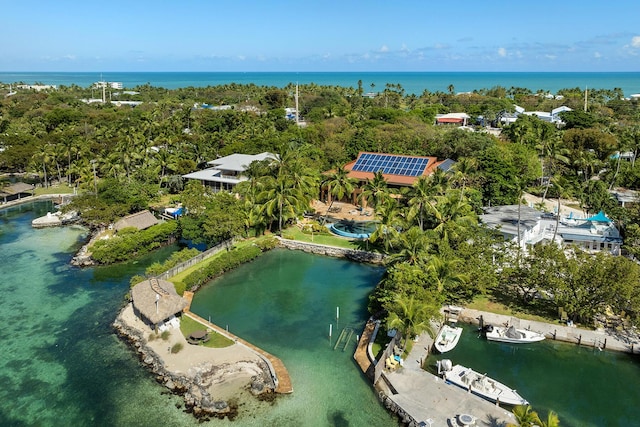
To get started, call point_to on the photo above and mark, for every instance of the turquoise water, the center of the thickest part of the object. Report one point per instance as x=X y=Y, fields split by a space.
x=585 y=386
x=412 y=82
x=284 y=303
x=61 y=364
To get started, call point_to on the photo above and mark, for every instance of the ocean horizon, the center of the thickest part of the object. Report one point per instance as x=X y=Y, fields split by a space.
x=412 y=82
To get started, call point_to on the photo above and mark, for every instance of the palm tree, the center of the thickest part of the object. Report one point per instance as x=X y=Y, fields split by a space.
x=560 y=184
x=463 y=170
x=375 y=190
x=420 y=195
x=411 y=316
x=452 y=215
x=552 y=149
x=444 y=273
x=339 y=184
x=388 y=214
x=413 y=248
x=525 y=416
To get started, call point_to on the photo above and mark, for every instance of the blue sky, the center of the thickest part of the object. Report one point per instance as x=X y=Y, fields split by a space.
x=347 y=35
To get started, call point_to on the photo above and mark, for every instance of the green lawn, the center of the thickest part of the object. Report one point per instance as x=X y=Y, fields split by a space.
x=294 y=233
x=188 y=326
x=60 y=189
x=492 y=304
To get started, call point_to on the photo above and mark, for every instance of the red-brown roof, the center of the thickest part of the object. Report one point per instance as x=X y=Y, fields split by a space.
x=449 y=120
x=401 y=180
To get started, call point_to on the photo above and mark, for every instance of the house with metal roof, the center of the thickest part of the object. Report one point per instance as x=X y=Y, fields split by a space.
x=225 y=173
x=596 y=233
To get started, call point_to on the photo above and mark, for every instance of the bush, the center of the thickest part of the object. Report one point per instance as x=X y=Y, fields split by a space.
x=165 y=335
x=176 y=258
x=176 y=348
x=128 y=243
x=227 y=261
x=267 y=243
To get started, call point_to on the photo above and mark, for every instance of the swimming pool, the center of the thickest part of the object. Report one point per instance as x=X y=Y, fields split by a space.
x=353 y=229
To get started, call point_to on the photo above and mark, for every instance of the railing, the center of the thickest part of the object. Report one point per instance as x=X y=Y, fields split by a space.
x=195 y=260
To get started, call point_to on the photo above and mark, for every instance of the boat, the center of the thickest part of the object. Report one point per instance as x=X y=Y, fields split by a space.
x=511 y=334
x=479 y=384
x=447 y=338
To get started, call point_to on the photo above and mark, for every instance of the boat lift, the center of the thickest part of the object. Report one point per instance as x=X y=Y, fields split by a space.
x=344 y=338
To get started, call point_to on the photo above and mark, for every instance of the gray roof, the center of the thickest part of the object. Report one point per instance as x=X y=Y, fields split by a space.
x=446 y=165
x=506 y=218
x=239 y=162
x=146 y=293
x=17 y=188
x=140 y=220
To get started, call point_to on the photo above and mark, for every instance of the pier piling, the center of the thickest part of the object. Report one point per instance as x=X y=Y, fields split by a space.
x=580 y=339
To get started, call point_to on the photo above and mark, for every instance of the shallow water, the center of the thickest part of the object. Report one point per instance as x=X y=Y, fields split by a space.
x=284 y=303
x=585 y=386
x=61 y=363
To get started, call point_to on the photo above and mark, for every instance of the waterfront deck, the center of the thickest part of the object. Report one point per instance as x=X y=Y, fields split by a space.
x=278 y=370
x=427 y=398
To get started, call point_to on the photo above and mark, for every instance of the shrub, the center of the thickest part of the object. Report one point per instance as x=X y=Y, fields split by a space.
x=225 y=262
x=129 y=242
x=267 y=243
x=176 y=348
x=165 y=335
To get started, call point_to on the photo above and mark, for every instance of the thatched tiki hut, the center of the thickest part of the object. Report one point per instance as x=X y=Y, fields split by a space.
x=157 y=303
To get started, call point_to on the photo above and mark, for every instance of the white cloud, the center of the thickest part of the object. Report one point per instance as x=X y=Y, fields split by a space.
x=384 y=48
x=597 y=55
x=635 y=42
x=502 y=52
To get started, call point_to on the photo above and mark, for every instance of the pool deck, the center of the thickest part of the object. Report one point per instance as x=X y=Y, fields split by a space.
x=278 y=370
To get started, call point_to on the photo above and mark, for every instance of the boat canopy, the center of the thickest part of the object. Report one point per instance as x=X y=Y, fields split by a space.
x=600 y=217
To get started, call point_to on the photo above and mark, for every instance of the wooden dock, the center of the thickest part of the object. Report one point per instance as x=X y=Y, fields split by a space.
x=278 y=370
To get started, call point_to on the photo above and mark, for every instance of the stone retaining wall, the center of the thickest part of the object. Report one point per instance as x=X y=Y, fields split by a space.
x=351 y=254
x=197 y=398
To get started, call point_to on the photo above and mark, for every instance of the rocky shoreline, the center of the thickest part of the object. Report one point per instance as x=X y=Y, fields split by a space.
x=201 y=379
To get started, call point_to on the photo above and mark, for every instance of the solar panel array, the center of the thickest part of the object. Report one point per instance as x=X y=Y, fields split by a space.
x=389 y=164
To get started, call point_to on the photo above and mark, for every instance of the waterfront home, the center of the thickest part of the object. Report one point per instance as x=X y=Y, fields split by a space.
x=157 y=303
x=225 y=173
x=398 y=170
x=592 y=234
x=16 y=191
x=140 y=220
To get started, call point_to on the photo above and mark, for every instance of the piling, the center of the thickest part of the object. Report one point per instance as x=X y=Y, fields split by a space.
x=580 y=339
x=604 y=346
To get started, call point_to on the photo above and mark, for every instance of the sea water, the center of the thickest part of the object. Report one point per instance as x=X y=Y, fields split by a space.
x=61 y=364
x=412 y=82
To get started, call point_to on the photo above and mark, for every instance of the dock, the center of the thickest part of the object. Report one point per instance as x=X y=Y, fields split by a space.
x=279 y=372
x=429 y=399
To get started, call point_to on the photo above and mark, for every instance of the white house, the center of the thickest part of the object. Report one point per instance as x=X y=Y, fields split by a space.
x=227 y=172
x=593 y=234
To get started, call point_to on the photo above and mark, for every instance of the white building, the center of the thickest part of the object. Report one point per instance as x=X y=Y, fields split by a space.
x=227 y=172
x=592 y=234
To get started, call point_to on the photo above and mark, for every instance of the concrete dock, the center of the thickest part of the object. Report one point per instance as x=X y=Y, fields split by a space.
x=427 y=398
x=430 y=401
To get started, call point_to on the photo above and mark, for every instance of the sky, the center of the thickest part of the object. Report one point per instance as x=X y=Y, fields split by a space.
x=331 y=35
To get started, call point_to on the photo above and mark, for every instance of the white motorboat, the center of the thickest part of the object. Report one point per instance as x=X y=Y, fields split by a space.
x=512 y=335
x=447 y=338
x=479 y=384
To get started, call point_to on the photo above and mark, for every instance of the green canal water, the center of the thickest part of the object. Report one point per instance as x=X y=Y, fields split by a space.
x=62 y=365
x=585 y=386
x=285 y=302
